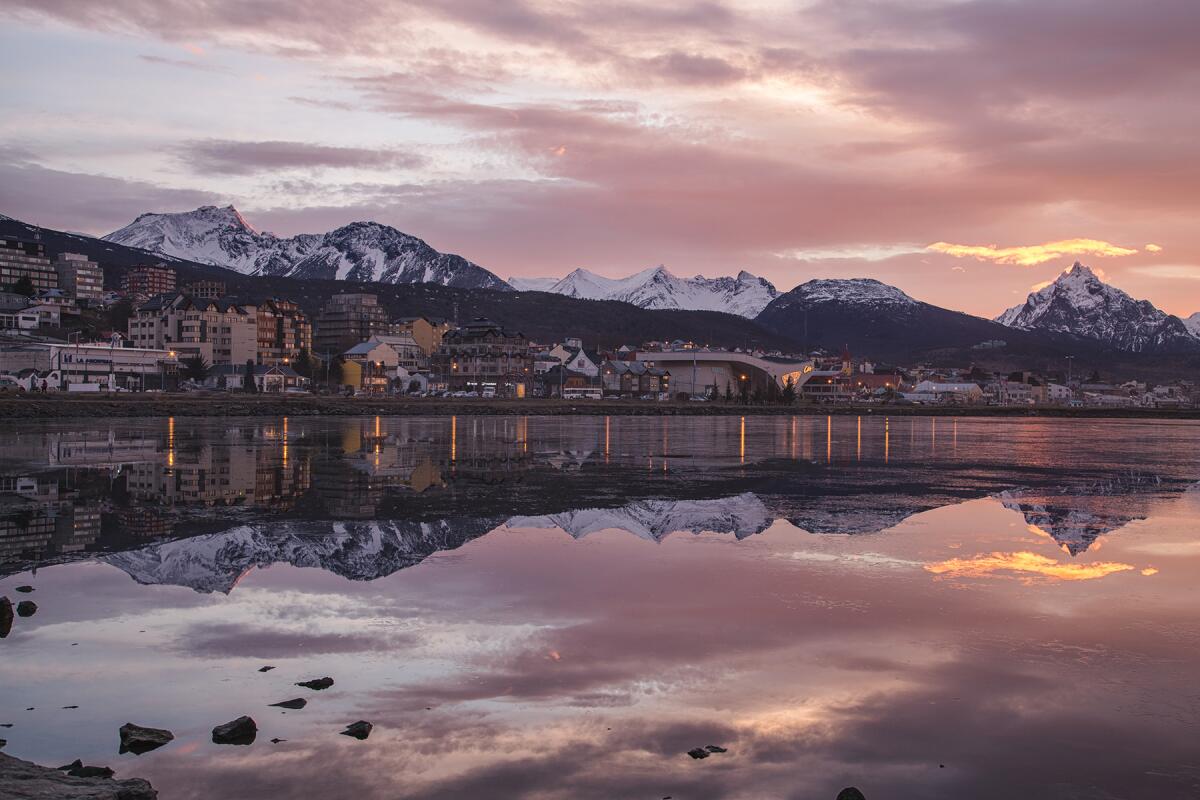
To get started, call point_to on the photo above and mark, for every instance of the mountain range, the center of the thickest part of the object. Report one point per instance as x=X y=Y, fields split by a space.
x=360 y=251
x=745 y=295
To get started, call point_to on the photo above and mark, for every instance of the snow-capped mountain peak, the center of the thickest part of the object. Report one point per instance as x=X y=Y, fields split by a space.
x=1079 y=303
x=360 y=251
x=859 y=291
x=657 y=287
x=1192 y=323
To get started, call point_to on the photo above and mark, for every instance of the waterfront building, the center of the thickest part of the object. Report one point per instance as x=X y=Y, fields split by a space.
x=79 y=277
x=483 y=357
x=218 y=331
x=104 y=366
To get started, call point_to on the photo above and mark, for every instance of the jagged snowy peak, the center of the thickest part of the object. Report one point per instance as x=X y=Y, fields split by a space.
x=1080 y=304
x=1076 y=516
x=360 y=551
x=1192 y=323
x=360 y=251
x=742 y=515
x=745 y=295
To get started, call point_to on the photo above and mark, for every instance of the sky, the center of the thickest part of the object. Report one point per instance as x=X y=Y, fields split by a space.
x=965 y=151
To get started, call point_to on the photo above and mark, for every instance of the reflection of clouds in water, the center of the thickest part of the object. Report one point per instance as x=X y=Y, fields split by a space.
x=1024 y=563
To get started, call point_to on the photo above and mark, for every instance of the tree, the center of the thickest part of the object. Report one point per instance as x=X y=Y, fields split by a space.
x=304 y=364
x=23 y=286
x=119 y=314
x=248 y=384
x=728 y=392
x=195 y=368
x=788 y=397
x=335 y=370
x=772 y=392
x=744 y=390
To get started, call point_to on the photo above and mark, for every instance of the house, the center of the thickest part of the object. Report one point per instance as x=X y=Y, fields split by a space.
x=635 y=379
x=584 y=361
x=370 y=366
x=267 y=377
x=562 y=382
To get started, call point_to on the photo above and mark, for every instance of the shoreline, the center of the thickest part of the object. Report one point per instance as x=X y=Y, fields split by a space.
x=22 y=407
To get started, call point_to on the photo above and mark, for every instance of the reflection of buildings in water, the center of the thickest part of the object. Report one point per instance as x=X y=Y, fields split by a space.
x=144 y=522
x=101 y=448
x=43 y=525
x=234 y=475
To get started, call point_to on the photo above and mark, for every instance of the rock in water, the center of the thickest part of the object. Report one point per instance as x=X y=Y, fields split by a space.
x=359 y=730
x=26 y=608
x=699 y=753
x=317 y=684
x=240 y=731
x=24 y=589
x=42 y=782
x=712 y=748
x=298 y=703
x=265 y=669
x=137 y=740
x=850 y=793
x=6 y=616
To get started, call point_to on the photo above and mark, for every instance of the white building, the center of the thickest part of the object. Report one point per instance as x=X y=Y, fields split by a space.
x=105 y=366
x=952 y=393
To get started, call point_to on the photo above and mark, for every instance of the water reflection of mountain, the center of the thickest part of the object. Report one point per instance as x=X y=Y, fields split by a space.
x=360 y=551
x=742 y=515
x=1078 y=515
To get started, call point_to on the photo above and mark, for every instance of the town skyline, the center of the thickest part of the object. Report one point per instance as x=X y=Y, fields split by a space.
x=963 y=152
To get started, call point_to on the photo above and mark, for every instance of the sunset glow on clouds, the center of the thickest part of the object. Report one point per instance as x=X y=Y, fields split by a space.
x=1031 y=255
x=817 y=139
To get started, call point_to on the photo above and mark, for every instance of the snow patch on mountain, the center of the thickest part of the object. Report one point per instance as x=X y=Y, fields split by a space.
x=1079 y=303
x=657 y=288
x=360 y=251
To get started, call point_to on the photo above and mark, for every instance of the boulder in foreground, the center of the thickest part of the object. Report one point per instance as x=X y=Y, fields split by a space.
x=28 y=781
x=850 y=793
x=317 y=684
x=239 y=731
x=137 y=740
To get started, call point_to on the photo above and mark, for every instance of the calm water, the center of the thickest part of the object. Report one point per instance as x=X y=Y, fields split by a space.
x=563 y=607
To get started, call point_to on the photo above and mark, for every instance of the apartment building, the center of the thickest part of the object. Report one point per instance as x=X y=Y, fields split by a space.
x=346 y=320
x=205 y=290
x=79 y=277
x=148 y=280
x=426 y=332
x=218 y=331
x=283 y=331
x=24 y=258
x=483 y=357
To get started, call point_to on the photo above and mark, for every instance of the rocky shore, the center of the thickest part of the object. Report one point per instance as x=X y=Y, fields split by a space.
x=24 y=780
x=18 y=407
